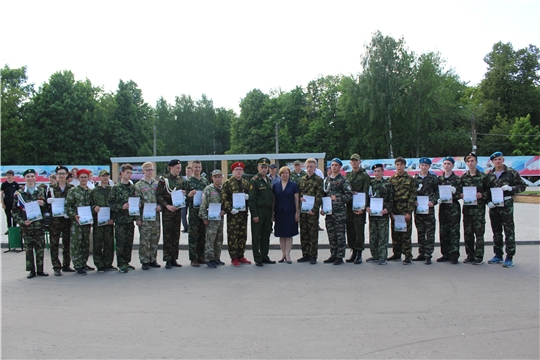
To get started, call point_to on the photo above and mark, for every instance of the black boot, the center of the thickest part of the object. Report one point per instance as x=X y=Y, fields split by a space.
x=358 y=259
x=352 y=258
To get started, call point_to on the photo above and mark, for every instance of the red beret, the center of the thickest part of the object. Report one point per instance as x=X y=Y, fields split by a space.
x=237 y=164
x=83 y=171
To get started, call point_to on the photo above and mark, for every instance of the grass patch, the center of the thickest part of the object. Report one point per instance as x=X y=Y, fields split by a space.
x=531 y=193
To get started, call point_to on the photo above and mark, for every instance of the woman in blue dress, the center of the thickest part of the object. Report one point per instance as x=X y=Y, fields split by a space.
x=286 y=212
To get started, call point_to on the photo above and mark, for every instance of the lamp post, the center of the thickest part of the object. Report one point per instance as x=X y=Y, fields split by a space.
x=277 y=138
x=154 y=140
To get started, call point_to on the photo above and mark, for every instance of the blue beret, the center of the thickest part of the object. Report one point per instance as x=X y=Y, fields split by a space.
x=425 y=160
x=495 y=155
x=449 y=158
x=338 y=161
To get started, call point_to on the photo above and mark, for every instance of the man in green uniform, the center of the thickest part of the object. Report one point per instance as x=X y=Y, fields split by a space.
x=33 y=231
x=214 y=227
x=260 y=206
x=298 y=173
x=236 y=215
x=172 y=215
x=194 y=186
x=502 y=217
x=356 y=220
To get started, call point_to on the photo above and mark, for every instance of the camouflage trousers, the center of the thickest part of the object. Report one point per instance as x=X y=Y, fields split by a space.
x=103 y=246
x=80 y=248
x=60 y=226
x=309 y=234
x=356 y=231
x=34 y=241
x=196 y=235
x=260 y=234
x=378 y=237
x=171 y=234
x=236 y=234
x=124 y=233
x=449 y=234
x=335 y=227
x=401 y=241
x=150 y=232
x=425 y=227
x=502 y=218
x=474 y=226
x=214 y=240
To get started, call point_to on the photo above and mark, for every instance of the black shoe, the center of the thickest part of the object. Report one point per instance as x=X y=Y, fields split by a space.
x=111 y=268
x=419 y=258
x=42 y=273
x=407 y=260
x=154 y=264
x=6 y=233
x=358 y=259
x=304 y=258
x=338 y=261
x=352 y=258
x=330 y=260
x=258 y=263
x=145 y=266
x=313 y=260
x=168 y=265
x=372 y=260
x=394 y=257
x=219 y=262
x=57 y=272
x=88 y=268
x=281 y=260
x=31 y=274
x=212 y=264
x=454 y=261
x=175 y=263
x=443 y=259
x=80 y=272
x=67 y=269
x=268 y=261
x=100 y=270
x=428 y=261
x=468 y=260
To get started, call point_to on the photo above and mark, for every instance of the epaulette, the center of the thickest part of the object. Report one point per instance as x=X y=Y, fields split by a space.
x=256 y=177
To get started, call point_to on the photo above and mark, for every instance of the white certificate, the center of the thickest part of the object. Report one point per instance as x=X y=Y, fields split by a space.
x=239 y=201
x=103 y=216
x=214 y=210
x=359 y=201
x=376 y=206
x=445 y=194
x=469 y=195
x=58 y=209
x=327 y=205
x=423 y=205
x=399 y=223
x=197 y=199
x=33 y=211
x=497 y=197
x=85 y=214
x=178 y=199
x=134 y=206
x=307 y=205
x=149 y=212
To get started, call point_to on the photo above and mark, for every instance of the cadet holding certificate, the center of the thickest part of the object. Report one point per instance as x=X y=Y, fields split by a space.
x=423 y=207
x=134 y=206
x=239 y=202
x=469 y=195
x=214 y=211
x=33 y=211
x=359 y=201
x=178 y=199
x=376 y=207
x=326 y=205
x=85 y=215
x=399 y=223
x=445 y=194
x=149 y=213
x=58 y=207
x=308 y=204
x=497 y=197
x=104 y=216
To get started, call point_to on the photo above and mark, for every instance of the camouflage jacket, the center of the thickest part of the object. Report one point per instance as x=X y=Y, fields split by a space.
x=382 y=189
x=428 y=186
x=360 y=182
x=312 y=186
x=480 y=182
x=192 y=183
x=508 y=177
x=211 y=194
x=99 y=196
x=230 y=187
x=163 y=196
x=20 y=215
x=260 y=193
x=57 y=193
x=147 y=192
x=120 y=193
x=296 y=177
x=404 y=189
x=340 y=187
x=77 y=196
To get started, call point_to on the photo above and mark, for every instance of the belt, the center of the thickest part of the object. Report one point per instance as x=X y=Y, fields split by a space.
x=507 y=197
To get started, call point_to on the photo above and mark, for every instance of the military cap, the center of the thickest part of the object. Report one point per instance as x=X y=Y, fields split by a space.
x=104 y=172
x=83 y=171
x=263 y=161
x=216 y=172
x=338 y=161
x=377 y=166
x=496 y=154
x=173 y=162
x=297 y=162
x=449 y=158
x=424 y=160
x=273 y=166
x=61 y=167
x=29 y=171
x=237 y=164
x=355 y=157
x=471 y=154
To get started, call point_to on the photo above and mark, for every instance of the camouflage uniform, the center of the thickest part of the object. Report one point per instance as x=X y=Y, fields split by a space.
x=260 y=205
x=214 y=230
x=474 y=216
x=335 y=222
x=503 y=217
x=171 y=220
x=59 y=225
x=197 y=230
x=425 y=223
x=34 y=234
x=103 y=247
x=356 y=223
x=378 y=225
x=296 y=177
x=309 y=224
x=449 y=217
x=236 y=224
x=404 y=190
x=149 y=231
x=80 y=234
x=124 y=228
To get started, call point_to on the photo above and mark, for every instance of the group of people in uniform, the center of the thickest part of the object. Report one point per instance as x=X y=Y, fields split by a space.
x=207 y=204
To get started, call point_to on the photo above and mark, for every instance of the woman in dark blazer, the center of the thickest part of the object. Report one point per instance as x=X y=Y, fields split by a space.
x=286 y=212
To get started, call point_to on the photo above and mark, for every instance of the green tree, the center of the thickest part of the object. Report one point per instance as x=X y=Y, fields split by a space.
x=525 y=138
